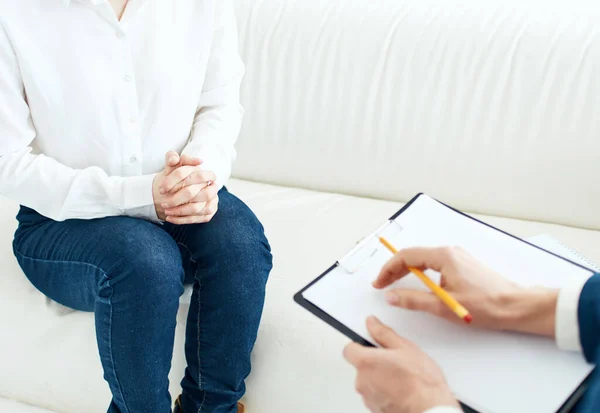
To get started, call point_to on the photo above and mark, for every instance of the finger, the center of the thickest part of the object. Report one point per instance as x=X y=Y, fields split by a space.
x=193 y=208
x=189 y=209
x=398 y=266
x=190 y=220
x=419 y=301
x=183 y=196
x=200 y=177
x=356 y=354
x=187 y=160
x=372 y=406
x=362 y=387
x=384 y=335
x=196 y=208
x=207 y=194
x=178 y=187
x=176 y=176
x=187 y=182
x=212 y=206
x=171 y=161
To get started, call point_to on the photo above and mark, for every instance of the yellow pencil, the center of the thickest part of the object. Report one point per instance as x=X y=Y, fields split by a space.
x=443 y=295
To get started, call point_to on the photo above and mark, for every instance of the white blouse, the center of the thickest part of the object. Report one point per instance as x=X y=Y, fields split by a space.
x=89 y=105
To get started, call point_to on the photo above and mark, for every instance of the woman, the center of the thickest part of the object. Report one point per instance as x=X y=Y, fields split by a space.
x=93 y=94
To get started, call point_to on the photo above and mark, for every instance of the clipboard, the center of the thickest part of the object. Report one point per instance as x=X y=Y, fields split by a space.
x=362 y=252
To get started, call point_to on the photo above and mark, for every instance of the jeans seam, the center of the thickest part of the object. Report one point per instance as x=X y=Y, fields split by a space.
x=199 y=280
x=112 y=358
x=63 y=262
x=188 y=250
x=104 y=275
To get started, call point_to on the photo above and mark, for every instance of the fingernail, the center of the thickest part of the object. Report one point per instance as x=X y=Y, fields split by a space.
x=162 y=190
x=172 y=159
x=392 y=298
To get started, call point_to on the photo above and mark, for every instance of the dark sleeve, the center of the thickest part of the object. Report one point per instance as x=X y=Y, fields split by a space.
x=589 y=333
x=589 y=319
x=591 y=400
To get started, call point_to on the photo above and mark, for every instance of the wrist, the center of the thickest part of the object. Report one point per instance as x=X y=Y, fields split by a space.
x=158 y=198
x=530 y=310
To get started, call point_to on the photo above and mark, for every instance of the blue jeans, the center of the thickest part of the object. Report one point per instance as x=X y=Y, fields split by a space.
x=131 y=273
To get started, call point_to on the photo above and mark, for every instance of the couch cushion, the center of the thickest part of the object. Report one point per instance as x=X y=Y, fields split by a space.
x=458 y=99
x=50 y=359
x=11 y=406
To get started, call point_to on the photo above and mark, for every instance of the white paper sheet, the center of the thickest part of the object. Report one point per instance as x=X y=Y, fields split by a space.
x=549 y=243
x=492 y=372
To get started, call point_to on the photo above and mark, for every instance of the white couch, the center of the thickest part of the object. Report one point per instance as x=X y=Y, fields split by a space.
x=489 y=106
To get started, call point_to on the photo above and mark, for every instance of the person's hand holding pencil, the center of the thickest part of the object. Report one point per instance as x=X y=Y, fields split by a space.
x=493 y=301
x=397 y=376
x=442 y=294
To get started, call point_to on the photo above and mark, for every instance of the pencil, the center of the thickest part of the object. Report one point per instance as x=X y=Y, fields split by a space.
x=443 y=295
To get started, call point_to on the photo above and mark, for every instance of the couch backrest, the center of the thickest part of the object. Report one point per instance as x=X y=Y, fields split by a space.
x=491 y=106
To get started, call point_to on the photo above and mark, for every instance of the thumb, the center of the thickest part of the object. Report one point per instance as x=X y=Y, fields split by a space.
x=384 y=335
x=355 y=354
x=171 y=161
x=190 y=160
x=416 y=301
